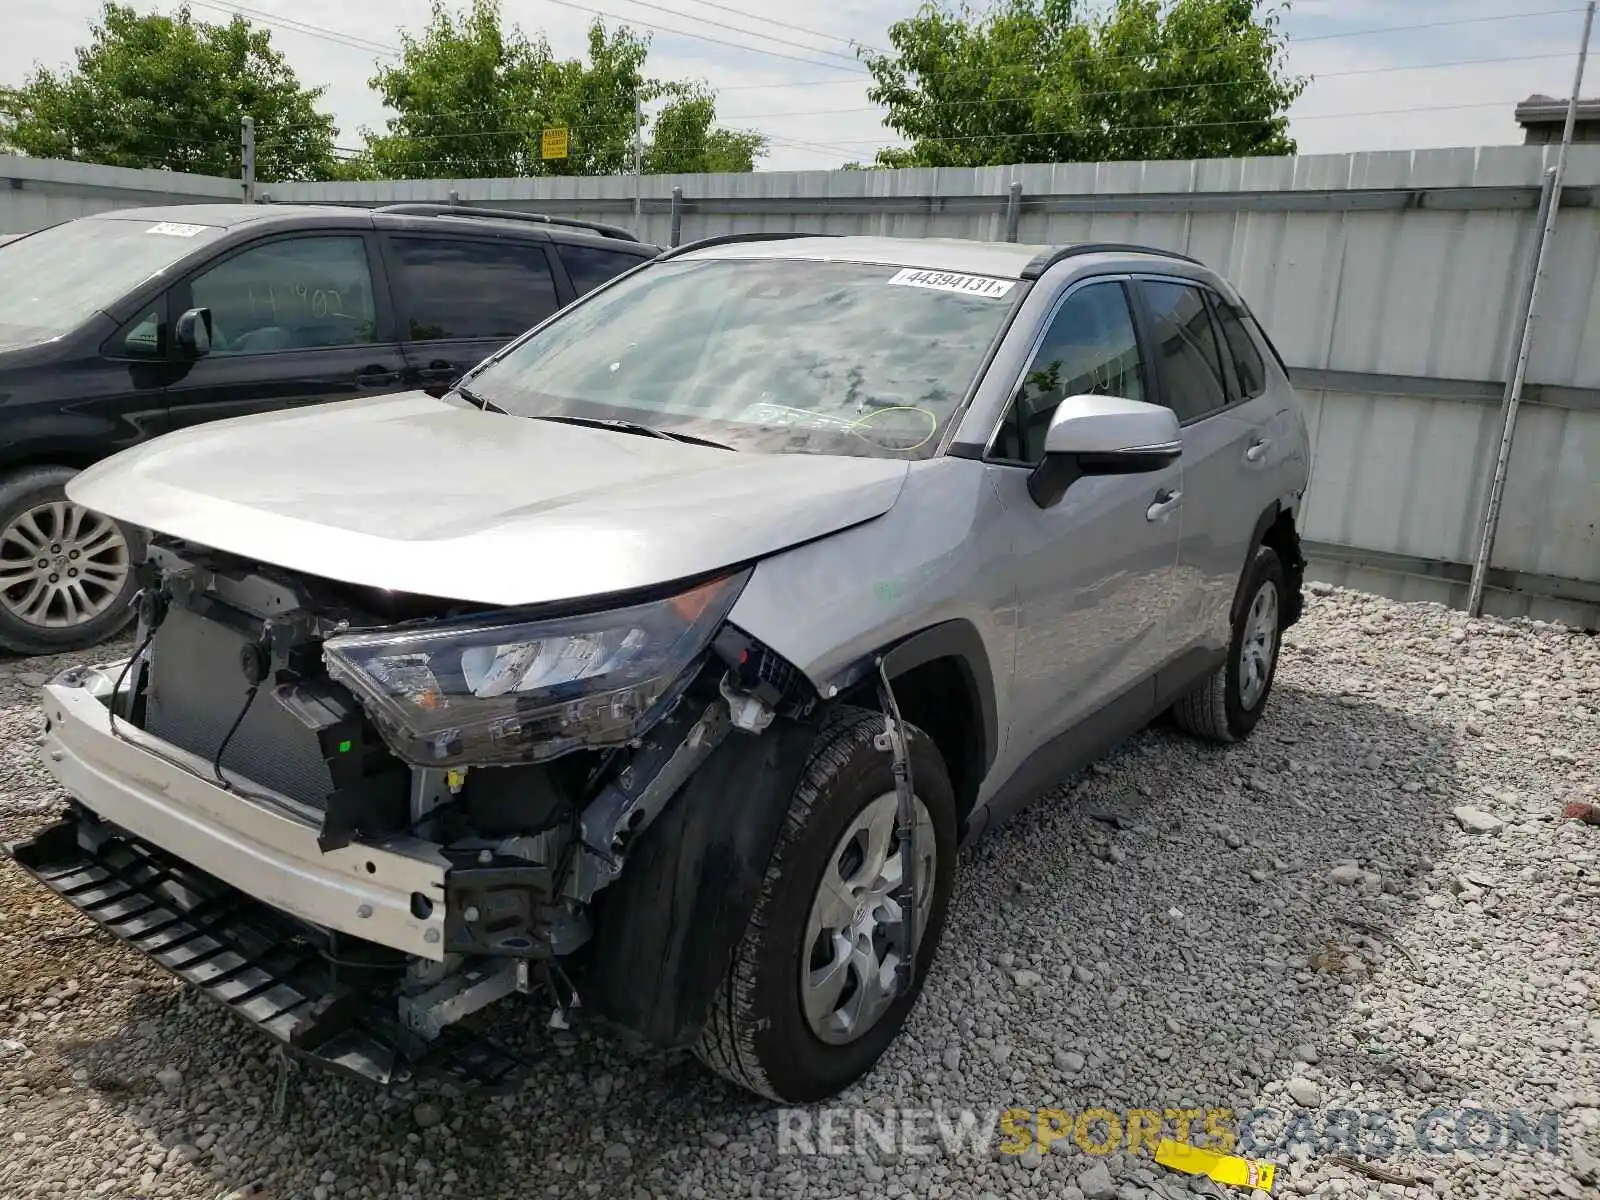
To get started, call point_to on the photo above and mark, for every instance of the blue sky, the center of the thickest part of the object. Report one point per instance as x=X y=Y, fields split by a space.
x=816 y=110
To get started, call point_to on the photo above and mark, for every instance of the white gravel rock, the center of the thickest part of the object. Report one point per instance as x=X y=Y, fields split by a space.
x=1300 y=966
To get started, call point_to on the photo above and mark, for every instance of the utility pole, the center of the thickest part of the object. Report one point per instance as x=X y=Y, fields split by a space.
x=638 y=160
x=247 y=158
x=1513 y=398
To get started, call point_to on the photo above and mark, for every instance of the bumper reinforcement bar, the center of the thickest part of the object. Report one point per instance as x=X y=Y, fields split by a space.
x=254 y=961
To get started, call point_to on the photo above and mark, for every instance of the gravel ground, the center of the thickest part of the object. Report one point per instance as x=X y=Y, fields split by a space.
x=1307 y=922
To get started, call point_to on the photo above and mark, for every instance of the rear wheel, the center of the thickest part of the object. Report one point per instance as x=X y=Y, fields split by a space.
x=1227 y=705
x=812 y=998
x=66 y=572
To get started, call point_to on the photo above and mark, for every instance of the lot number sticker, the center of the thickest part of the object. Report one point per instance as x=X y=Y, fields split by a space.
x=175 y=229
x=949 y=281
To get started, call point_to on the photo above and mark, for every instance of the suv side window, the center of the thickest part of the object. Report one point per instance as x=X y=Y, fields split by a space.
x=590 y=266
x=1089 y=349
x=1187 y=348
x=298 y=293
x=459 y=288
x=1247 y=364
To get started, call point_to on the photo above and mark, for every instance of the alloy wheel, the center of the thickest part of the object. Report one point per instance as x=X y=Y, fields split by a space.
x=1259 y=646
x=61 y=565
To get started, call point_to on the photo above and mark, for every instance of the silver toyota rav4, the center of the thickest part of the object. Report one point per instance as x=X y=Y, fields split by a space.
x=658 y=671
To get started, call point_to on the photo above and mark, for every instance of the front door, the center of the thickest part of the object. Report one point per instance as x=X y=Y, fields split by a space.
x=295 y=320
x=461 y=298
x=1094 y=571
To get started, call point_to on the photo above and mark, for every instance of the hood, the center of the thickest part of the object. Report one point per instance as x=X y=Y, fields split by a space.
x=438 y=498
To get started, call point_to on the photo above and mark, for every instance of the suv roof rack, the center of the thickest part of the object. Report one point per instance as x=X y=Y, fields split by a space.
x=723 y=239
x=504 y=214
x=1041 y=263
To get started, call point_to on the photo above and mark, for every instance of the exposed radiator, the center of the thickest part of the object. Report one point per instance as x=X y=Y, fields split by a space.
x=196 y=691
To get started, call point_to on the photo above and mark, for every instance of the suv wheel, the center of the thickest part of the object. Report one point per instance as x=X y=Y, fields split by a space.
x=1227 y=705
x=66 y=573
x=811 y=1000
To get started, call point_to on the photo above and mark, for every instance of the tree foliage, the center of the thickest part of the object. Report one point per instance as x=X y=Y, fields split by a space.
x=1052 y=81
x=169 y=92
x=472 y=98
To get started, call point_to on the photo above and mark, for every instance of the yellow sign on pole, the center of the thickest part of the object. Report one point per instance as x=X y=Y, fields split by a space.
x=553 y=142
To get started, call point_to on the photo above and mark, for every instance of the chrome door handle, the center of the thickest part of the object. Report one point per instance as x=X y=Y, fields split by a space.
x=1165 y=502
x=1258 y=450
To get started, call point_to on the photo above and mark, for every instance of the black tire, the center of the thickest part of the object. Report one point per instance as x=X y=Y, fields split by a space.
x=1215 y=709
x=24 y=490
x=757 y=1035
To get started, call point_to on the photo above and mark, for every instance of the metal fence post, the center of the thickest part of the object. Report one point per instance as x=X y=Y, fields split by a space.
x=1513 y=396
x=1013 y=210
x=677 y=216
x=247 y=158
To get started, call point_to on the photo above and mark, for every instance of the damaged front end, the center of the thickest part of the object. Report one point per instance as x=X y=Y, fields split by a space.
x=356 y=818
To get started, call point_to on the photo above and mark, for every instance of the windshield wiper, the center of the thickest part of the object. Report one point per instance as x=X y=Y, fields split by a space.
x=635 y=427
x=483 y=402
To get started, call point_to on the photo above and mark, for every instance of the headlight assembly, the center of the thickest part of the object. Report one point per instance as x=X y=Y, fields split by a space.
x=498 y=692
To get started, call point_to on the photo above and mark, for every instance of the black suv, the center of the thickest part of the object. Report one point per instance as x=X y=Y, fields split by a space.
x=121 y=326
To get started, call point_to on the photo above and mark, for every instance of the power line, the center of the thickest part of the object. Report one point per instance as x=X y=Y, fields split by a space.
x=739 y=12
x=1513 y=16
x=675 y=12
x=700 y=37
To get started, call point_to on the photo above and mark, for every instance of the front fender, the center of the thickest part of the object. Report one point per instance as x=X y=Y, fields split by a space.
x=665 y=932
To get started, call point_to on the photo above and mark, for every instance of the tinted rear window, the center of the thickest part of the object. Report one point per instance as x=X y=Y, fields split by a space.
x=458 y=288
x=590 y=266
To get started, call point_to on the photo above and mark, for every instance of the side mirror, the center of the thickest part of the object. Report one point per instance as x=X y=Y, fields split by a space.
x=193 y=333
x=1103 y=435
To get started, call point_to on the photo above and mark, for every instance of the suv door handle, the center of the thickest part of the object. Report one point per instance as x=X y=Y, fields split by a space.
x=376 y=377
x=438 y=369
x=1258 y=450
x=1165 y=502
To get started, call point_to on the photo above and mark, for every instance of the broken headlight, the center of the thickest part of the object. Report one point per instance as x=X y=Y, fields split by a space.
x=526 y=691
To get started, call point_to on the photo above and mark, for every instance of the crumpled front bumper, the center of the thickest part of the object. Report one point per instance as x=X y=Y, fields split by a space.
x=214 y=887
x=390 y=892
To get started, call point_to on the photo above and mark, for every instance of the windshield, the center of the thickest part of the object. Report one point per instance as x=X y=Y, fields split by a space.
x=54 y=280
x=765 y=354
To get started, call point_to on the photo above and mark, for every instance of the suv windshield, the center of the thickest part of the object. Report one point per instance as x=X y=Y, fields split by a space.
x=765 y=354
x=56 y=279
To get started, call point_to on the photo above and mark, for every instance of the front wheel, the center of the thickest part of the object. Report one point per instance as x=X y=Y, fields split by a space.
x=812 y=998
x=66 y=572
x=1227 y=705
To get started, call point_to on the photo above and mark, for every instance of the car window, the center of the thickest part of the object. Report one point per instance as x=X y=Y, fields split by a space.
x=458 y=288
x=58 y=278
x=1089 y=349
x=1247 y=364
x=145 y=336
x=1186 y=345
x=293 y=294
x=776 y=355
x=590 y=266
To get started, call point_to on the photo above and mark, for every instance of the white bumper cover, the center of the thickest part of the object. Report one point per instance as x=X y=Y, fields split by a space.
x=167 y=797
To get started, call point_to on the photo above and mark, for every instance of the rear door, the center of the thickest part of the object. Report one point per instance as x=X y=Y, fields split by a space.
x=301 y=318
x=1221 y=428
x=460 y=298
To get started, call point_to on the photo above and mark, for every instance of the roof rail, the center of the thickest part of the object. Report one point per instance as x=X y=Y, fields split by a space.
x=1041 y=263
x=724 y=239
x=504 y=214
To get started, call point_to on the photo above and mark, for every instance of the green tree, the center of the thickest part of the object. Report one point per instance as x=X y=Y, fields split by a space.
x=472 y=98
x=684 y=141
x=1049 y=81
x=169 y=91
